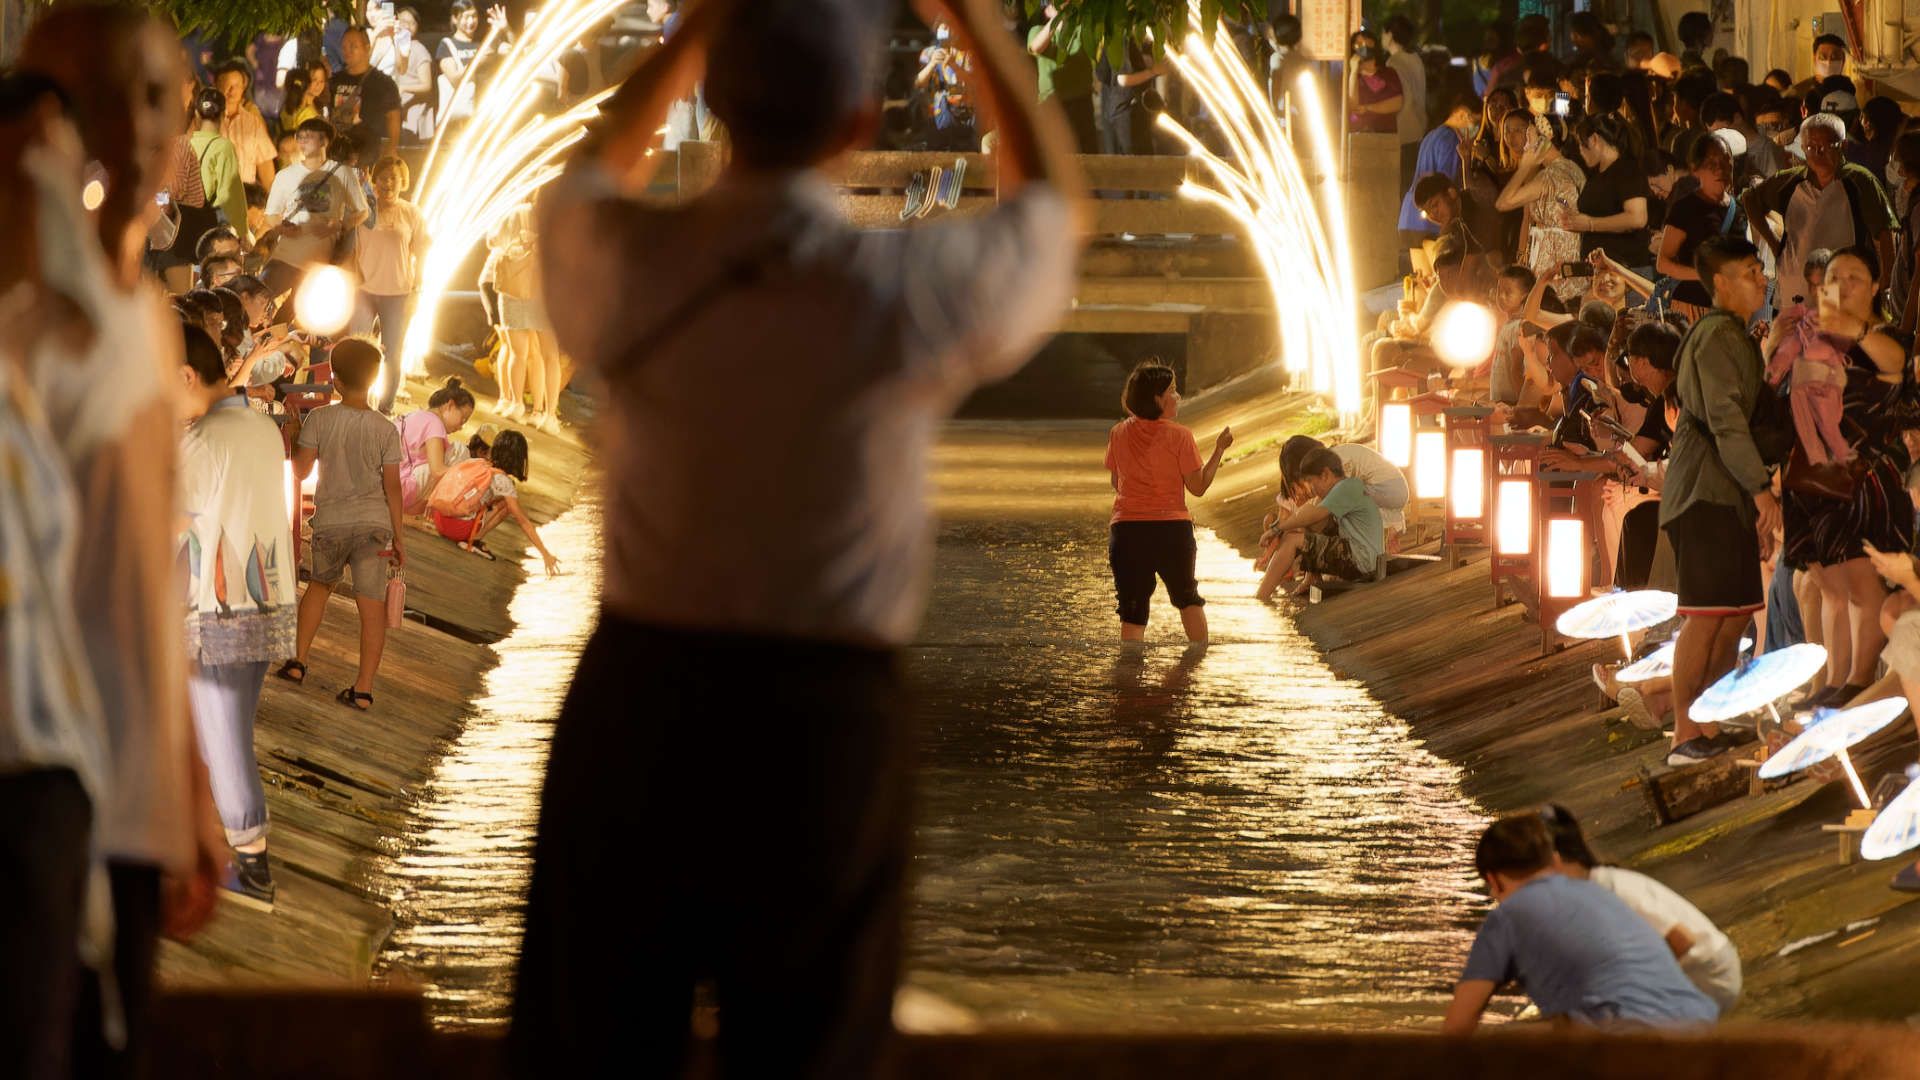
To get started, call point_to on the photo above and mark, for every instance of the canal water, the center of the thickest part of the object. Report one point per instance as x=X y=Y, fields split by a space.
x=1119 y=839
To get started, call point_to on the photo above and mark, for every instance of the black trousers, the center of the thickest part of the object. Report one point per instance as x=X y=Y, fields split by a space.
x=727 y=808
x=51 y=1020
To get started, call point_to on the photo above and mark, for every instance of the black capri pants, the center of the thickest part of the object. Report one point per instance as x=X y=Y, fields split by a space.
x=1138 y=551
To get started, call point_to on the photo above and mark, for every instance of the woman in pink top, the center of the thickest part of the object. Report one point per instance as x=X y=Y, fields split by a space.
x=423 y=442
x=1153 y=463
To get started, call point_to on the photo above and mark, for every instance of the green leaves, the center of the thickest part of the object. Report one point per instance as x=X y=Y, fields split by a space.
x=1097 y=27
x=233 y=23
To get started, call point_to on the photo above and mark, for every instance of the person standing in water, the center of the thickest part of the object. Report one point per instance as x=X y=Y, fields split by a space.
x=1153 y=464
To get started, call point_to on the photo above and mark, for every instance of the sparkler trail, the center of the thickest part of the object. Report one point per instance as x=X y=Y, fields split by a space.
x=504 y=154
x=1301 y=244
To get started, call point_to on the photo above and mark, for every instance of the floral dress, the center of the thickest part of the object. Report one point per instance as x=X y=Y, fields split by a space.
x=1549 y=241
x=1827 y=531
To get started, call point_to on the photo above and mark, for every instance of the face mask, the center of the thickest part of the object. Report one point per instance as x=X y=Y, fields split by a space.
x=1827 y=69
x=1473 y=130
x=940 y=35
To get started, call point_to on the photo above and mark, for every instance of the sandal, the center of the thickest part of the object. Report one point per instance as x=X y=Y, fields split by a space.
x=477 y=548
x=294 y=672
x=354 y=699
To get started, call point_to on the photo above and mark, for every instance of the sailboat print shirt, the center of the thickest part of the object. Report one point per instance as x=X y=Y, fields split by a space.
x=235 y=555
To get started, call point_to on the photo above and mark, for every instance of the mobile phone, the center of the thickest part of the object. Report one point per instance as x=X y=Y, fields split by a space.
x=1576 y=268
x=161 y=198
x=1562 y=104
x=385 y=8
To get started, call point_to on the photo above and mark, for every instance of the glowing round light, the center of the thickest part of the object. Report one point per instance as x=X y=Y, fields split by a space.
x=324 y=302
x=92 y=194
x=1463 y=333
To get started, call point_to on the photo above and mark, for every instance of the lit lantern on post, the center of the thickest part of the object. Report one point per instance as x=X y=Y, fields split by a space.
x=1395 y=433
x=1393 y=415
x=1463 y=334
x=1515 y=460
x=1565 y=556
x=1468 y=429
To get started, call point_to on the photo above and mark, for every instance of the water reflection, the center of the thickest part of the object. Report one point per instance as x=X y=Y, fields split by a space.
x=1151 y=838
x=1112 y=839
x=461 y=878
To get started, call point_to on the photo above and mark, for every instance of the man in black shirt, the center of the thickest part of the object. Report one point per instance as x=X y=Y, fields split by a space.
x=366 y=101
x=1127 y=127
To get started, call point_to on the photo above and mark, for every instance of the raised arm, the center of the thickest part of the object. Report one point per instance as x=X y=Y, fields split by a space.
x=1200 y=479
x=639 y=107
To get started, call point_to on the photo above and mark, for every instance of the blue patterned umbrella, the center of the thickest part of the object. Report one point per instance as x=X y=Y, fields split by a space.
x=1658 y=664
x=1832 y=732
x=1758 y=683
x=1897 y=829
x=1617 y=614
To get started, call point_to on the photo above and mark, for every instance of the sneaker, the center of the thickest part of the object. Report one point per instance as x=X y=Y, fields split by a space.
x=1733 y=738
x=1693 y=752
x=249 y=881
x=1637 y=712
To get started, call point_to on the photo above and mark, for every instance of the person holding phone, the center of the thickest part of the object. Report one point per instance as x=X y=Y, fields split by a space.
x=1546 y=185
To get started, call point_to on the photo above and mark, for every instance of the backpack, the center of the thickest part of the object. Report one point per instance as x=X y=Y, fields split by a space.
x=462 y=490
x=1771 y=420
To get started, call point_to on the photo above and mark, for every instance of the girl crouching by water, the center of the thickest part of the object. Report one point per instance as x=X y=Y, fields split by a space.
x=1153 y=463
x=479 y=493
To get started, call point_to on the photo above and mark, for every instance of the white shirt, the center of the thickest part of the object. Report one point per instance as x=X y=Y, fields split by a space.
x=1713 y=964
x=389 y=250
x=766 y=451
x=1815 y=218
x=343 y=199
x=1386 y=485
x=1412 y=118
x=238 y=540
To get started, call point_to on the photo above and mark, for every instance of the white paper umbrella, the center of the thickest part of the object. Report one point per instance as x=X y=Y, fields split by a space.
x=1617 y=614
x=1897 y=829
x=1658 y=664
x=1759 y=683
x=1833 y=731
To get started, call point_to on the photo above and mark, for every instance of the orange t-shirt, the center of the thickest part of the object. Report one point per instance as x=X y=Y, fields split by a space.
x=1152 y=459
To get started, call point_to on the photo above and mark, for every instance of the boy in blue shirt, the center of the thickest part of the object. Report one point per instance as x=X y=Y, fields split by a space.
x=1348 y=550
x=1583 y=956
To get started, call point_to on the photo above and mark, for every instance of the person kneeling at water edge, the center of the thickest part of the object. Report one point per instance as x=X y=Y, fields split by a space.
x=1582 y=954
x=1153 y=463
x=1350 y=553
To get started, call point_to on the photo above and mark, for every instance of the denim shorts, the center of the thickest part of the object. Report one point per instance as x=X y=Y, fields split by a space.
x=357 y=546
x=1139 y=551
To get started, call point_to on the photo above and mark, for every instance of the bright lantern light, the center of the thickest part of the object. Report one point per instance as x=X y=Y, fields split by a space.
x=1468 y=486
x=1430 y=465
x=1463 y=333
x=324 y=301
x=1566 y=557
x=1513 y=510
x=1396 y=433
x=92 y=195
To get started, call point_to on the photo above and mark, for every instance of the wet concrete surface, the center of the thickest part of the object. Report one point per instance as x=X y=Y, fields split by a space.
x=1121 y=839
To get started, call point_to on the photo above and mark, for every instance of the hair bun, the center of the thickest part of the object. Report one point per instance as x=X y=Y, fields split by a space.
x=452 y=383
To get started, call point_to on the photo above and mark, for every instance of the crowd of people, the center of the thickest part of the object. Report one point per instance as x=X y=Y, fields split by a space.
x=154 y=551
x=1704 y=290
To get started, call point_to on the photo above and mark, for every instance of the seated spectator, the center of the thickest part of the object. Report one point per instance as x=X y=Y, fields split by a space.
x=1386 y=485
x=218 y=271
x=1706 y=956
x=1582 y=954
x=1351 y=553
x=1506 y=368
x=478 y=494
x=424 y=442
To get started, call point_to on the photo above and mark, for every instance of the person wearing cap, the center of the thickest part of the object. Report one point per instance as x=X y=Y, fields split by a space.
x=1827 y=203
